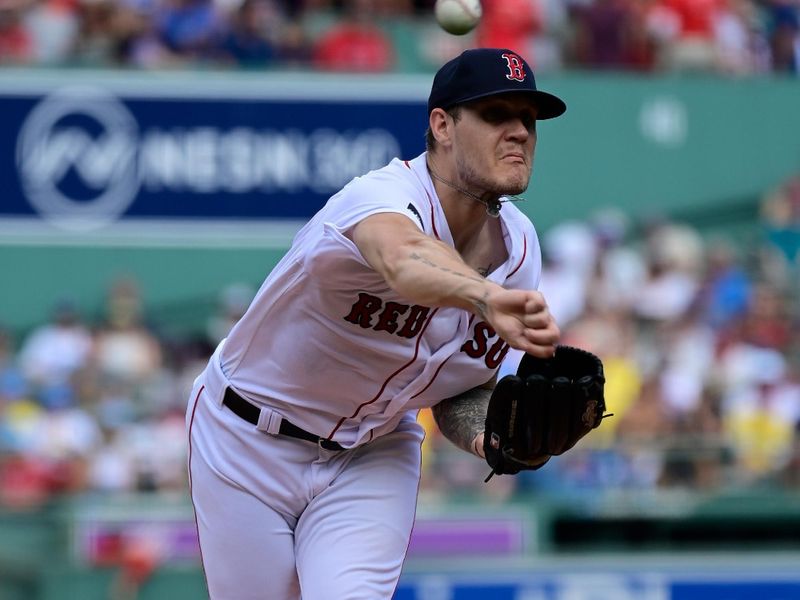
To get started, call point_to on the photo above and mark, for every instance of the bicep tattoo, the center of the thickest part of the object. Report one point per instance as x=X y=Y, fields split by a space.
x=462 y=417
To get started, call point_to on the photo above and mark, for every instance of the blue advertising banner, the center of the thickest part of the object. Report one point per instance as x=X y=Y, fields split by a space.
x=90 y=151
x=751 y=590
x=614 y=585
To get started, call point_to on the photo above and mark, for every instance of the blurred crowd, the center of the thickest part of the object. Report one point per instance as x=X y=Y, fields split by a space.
x=700 y=338
x=699 y=333
x=733 y=37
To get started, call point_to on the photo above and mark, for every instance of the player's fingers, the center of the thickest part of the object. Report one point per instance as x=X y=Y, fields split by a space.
x=544 y=336
x=521 y=342
x=535 y=303
x=538 y=320
x=542 y=342
x=538 y=342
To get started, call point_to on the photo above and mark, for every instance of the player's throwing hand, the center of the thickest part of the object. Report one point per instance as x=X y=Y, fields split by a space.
x=523 y=320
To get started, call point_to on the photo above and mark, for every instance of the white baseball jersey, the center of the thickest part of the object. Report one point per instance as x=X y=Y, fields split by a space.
x=355 y=356
x=328 y=346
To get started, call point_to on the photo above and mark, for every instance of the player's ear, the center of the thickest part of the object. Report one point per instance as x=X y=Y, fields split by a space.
x=440 y=124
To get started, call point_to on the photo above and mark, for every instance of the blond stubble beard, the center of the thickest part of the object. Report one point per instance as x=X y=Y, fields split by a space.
x=480 y=185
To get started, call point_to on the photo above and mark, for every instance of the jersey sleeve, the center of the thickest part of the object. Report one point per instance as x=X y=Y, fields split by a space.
x=329 y=253
x=378 y=192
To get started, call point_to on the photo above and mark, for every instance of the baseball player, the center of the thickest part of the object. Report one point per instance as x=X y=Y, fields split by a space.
x=405 y=291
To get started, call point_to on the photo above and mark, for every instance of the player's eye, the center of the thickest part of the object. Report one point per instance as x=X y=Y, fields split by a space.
x=529 y=121
x=496 y=115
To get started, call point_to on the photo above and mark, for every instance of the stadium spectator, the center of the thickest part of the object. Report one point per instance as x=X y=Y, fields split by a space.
x=13 y=383
x=549 y=44
x=53 y=352
x=686 y=348
x=126 y=350
x=53 y=26
x=761 y=412
x=602 y=31
x=511 y=24
x=741 y=43
x=296 y=51
x=250 y=40
x=609 y=331
x=16 y=41
x=642 y=38
x=139 y=43
x=674 y=255
x=25 y=482
x=569 y=255
x=726 y=287
x=96 y=44
x=783 y=17
x=780 y=214
x=769 y=320
x=620 y=269
x=355 y=43
x=692 y=40
x=191 y=29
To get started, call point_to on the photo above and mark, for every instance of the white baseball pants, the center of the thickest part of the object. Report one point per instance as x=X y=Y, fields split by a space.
x=282 y=519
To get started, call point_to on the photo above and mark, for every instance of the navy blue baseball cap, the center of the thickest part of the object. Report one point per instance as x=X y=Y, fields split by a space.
x=482 y=72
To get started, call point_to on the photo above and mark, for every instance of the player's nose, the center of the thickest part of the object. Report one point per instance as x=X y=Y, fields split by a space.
x=518 y=130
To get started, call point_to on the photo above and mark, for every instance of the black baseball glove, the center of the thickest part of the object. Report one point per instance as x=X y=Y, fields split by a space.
x=543 y=410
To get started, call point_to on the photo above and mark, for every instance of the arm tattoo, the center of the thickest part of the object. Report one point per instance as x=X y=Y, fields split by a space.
x=484 y=271
x=430 y=263
x=480 y=305
x=462 y=417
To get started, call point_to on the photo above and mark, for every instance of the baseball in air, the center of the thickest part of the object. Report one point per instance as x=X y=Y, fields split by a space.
x=457 y=16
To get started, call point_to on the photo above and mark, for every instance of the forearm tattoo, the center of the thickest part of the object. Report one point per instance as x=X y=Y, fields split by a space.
x=462 y=417
x=430 y=263
x=480 y=304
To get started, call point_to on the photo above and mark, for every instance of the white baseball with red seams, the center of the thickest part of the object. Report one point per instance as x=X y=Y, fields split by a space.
x=319 y=374
x=457 y=16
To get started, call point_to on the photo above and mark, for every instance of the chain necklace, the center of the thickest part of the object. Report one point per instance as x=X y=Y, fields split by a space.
x=492 y=206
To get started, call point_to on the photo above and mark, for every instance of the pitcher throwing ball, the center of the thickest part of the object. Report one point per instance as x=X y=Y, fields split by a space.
x=405 y=291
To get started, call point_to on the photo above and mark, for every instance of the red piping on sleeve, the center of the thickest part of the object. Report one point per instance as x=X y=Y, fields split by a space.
x=524 y=254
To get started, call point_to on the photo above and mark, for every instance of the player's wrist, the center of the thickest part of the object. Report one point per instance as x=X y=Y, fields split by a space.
x=484 y=298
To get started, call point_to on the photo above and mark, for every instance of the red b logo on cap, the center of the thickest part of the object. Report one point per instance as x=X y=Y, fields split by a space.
x=516 y=68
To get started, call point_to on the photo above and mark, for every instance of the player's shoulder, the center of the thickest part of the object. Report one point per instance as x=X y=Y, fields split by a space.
x=396 y=187
x=396 y=184
x=398 y=172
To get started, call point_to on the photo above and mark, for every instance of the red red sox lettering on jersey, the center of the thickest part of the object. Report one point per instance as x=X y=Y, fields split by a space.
x=392 y=318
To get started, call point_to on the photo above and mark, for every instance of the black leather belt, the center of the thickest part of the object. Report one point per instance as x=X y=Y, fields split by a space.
x=250 y=413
